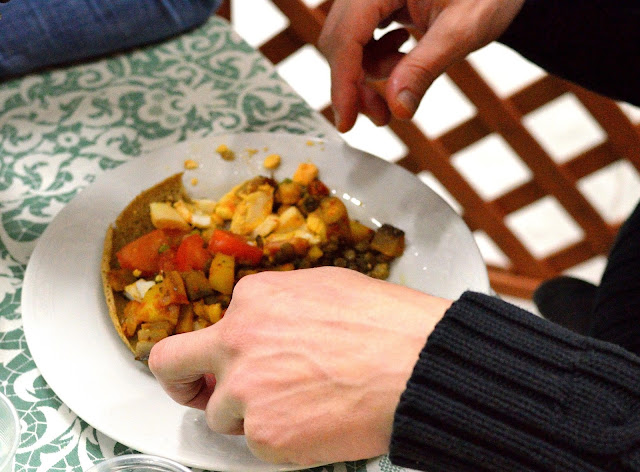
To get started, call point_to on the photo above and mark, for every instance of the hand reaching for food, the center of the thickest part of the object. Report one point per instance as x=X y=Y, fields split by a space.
x=308 y=364
x=370 y=76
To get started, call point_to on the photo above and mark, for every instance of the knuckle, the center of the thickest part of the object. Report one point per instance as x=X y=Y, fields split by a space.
x=249 y=286
x=327 y=41
x=212 y=424
x=463 y=36
x=264 y=442
x=271 y=444
x=234 y=336
x=263 y=284
x=242 y=287
x=236 y=386
x=422 y=76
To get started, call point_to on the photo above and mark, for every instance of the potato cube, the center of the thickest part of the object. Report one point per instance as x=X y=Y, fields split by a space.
x=288 y=192
x=360 y=232
x=154 y=332
x=164 y=216
x=315 y=253
x=185 y=319
x=290 y=220
x=332 y=210
x=316 y=225
x=172 y=289
x=267 y=227
x=214 y=312
x=197 y=285
x=305 y=173
x=222 y=273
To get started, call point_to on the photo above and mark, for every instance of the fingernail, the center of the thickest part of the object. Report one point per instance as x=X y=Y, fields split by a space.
x=408 y=101
x=336 y=118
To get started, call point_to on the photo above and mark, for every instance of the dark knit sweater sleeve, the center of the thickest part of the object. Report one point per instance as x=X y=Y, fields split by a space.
x=498 y=389
x=594 y=43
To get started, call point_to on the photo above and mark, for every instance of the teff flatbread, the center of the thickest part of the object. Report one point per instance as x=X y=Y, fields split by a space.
x=133 y=222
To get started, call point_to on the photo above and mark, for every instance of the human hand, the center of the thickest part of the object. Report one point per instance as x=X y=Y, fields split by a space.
x=360 y=65
x=308 y=364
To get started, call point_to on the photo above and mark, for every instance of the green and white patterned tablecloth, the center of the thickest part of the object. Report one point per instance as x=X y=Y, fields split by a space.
x=61 y=129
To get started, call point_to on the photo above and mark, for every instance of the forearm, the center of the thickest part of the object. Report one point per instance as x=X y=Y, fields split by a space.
x=594 y=43
x=497 y=388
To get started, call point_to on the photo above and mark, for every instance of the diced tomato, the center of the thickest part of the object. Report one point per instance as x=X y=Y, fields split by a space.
x=175 y=236
x=152 y=252
x=234 y=245
x=144 y=253
x=192 y=254
x=167 y=259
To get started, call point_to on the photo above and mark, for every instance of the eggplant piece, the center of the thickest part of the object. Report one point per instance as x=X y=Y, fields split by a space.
x=388 y=240
x=197 y=285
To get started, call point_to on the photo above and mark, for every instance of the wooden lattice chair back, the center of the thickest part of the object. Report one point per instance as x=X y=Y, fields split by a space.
x=499 y=116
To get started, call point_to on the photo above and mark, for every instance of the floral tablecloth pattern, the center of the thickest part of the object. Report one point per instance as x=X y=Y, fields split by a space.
x=60 y=129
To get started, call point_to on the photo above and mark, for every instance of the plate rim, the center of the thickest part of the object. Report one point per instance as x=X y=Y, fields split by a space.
x=29 y=276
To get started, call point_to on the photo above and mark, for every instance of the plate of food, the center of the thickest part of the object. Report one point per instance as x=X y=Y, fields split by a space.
x=154 y=247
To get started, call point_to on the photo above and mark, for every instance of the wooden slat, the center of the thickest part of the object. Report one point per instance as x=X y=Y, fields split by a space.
x=506 y=120
x=591 y=161
x=305 y=21
x=624 y=139
x=585 y=164
x=519 y=197
x=429 y=155
x=464 y=135
x=282 y=45
x=571 y=256
x=538 y=94
x=508 y=283
x=224 y=10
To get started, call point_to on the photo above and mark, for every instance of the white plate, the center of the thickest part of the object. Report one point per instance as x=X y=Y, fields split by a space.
x=67 y=325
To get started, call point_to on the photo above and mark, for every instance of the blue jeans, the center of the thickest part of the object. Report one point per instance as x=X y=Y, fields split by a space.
x=41 y=33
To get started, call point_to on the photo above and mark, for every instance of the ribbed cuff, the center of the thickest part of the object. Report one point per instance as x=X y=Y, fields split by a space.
x=497 y=388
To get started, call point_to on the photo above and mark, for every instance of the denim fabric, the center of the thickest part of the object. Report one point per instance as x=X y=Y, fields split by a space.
x=41 y=33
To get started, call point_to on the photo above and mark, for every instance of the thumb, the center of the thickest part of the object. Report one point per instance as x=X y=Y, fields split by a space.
x=439 y=48
x=186 y=365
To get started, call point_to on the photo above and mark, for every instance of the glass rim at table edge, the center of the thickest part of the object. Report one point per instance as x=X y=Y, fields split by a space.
x=143 y=459
x=16 y=440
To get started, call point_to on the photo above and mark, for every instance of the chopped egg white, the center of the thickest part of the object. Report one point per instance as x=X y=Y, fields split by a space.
x=200 y=221
x=268 y=226
x=290 y=219
x=137 y=289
